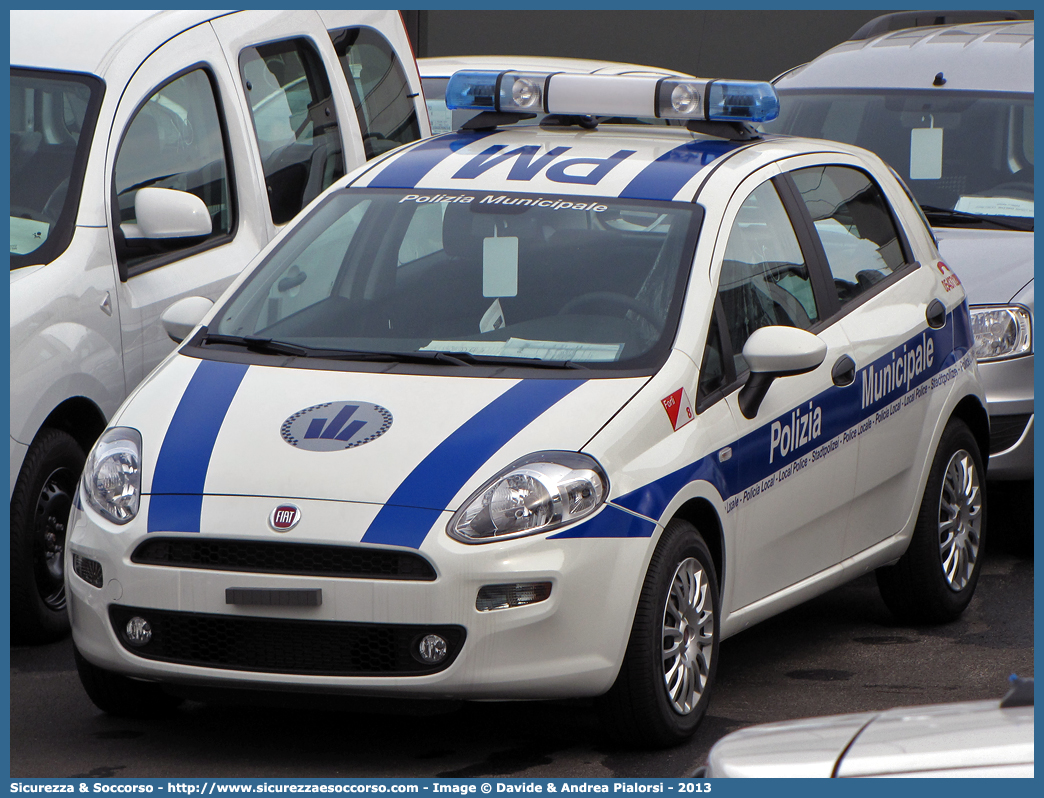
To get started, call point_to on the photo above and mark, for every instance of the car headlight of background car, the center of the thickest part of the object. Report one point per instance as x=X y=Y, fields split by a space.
x=1001 y=331
x=538 y=493
x=112 y=477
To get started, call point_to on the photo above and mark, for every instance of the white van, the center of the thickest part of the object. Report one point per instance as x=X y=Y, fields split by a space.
x=153 y=154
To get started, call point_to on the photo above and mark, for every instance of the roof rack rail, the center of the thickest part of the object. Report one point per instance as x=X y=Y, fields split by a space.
x=886 y=23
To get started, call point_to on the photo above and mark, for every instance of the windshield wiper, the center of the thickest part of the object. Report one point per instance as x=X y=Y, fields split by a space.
x=272 y=346
x=944 y=215
x=501 y=360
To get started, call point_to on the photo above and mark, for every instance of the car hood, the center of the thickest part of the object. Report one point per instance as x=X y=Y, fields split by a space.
x=993 y=265
x=218 y=428
x=976 y=738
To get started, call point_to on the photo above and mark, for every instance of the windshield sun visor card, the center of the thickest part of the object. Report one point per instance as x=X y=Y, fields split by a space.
x=926 y=153
x=500 y=266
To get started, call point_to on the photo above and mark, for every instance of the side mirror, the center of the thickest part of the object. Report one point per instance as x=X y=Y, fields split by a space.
x=773 y=352
x=168 y=213
x=184 y=316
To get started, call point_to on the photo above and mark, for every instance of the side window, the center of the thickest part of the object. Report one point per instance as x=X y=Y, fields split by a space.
x=764 y=280
x=175 y=140
x=854 y=224
x=295 y=123
x=712 y=368
x=383 y=102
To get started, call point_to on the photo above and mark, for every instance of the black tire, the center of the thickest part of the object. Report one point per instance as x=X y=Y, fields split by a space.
x=925 y=586
x=121 y=696
x=40 y=505
x=639 y=710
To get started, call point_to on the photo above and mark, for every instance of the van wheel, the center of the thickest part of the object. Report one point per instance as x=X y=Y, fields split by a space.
x=664 y=684
x=40 y=506
x=119 y=695
x=936 y=577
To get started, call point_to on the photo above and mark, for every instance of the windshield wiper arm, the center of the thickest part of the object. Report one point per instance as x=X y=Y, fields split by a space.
x=949 y=214
x=275 y=347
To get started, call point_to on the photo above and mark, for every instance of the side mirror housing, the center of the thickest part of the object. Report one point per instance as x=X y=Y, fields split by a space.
x=184 y=316
x=168 y=213
x=773 y=352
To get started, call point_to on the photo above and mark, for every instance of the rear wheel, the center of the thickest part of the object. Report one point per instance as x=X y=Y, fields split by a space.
x=664 y=684
x=119 y=695
x=934 y=580
x=40 y=507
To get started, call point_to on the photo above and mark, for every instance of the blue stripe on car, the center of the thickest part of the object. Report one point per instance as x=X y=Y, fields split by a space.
x=843 y=409
x=416 y=503
x=664 y=177
x=409 y=169
x=184 y=457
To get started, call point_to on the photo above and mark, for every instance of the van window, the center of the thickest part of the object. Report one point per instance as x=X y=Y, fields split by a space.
x=52 y=122
x=175 y=140
x=295 y=122
x=383 y=101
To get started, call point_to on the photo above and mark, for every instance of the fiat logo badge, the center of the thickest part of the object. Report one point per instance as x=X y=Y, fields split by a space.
x=284 y=517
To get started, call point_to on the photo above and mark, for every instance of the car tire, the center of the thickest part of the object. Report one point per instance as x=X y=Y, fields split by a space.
x=40 y=506
x=659 y=698
x=936 y=577
x=122 y=696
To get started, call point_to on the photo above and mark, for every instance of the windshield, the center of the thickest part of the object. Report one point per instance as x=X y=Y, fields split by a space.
x=52 y=121
x=494 y=278
x=963 y=154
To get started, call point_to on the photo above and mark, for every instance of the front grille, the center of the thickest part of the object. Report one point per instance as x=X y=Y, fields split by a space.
x=276 y=645
x=1005 y=431
x=268 y=557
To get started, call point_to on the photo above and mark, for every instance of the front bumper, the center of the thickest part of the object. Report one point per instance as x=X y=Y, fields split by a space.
x=569 y=645
x=1009 y=398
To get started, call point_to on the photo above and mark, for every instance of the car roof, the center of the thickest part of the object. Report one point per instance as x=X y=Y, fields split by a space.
x=985 y=56
x=652 y=162
x=88 y=40
x=445 y=66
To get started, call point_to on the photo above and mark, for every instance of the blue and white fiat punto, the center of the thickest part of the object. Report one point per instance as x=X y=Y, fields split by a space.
x=542 y=413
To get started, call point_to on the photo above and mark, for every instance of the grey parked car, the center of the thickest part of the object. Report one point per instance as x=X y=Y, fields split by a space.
x=971 y=739
x=950 y=108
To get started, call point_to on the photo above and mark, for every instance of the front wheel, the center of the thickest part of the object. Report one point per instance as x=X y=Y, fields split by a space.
x=40 y=507
x=936 y=577
x=664 y=684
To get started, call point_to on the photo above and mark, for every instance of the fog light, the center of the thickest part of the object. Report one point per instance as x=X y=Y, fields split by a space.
x=138 y=631
x=501 y=597
x=432 y=649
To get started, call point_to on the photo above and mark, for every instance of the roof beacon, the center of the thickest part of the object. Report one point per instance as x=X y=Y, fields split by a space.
x=613 y=95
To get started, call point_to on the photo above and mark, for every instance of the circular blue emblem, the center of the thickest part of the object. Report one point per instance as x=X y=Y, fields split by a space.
x=336 y=426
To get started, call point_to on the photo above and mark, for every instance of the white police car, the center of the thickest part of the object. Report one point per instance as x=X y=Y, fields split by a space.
x=542 y=413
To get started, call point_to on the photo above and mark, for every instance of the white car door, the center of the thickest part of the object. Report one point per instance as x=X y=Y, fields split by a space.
x=884 y=312
x=176 y=127
x=793 y=471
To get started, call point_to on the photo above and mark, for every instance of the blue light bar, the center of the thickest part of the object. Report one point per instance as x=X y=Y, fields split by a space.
x=472 y=89
x=741 y=101
x=613 y=95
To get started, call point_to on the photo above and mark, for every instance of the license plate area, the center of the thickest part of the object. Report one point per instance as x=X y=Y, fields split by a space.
x=274 y=596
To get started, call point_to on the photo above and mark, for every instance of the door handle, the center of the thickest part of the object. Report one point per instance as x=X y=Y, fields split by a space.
x=843 y=372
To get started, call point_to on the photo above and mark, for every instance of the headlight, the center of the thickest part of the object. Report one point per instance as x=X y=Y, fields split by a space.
x=112 y=478
x=1001 y=332
x=538 y=493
